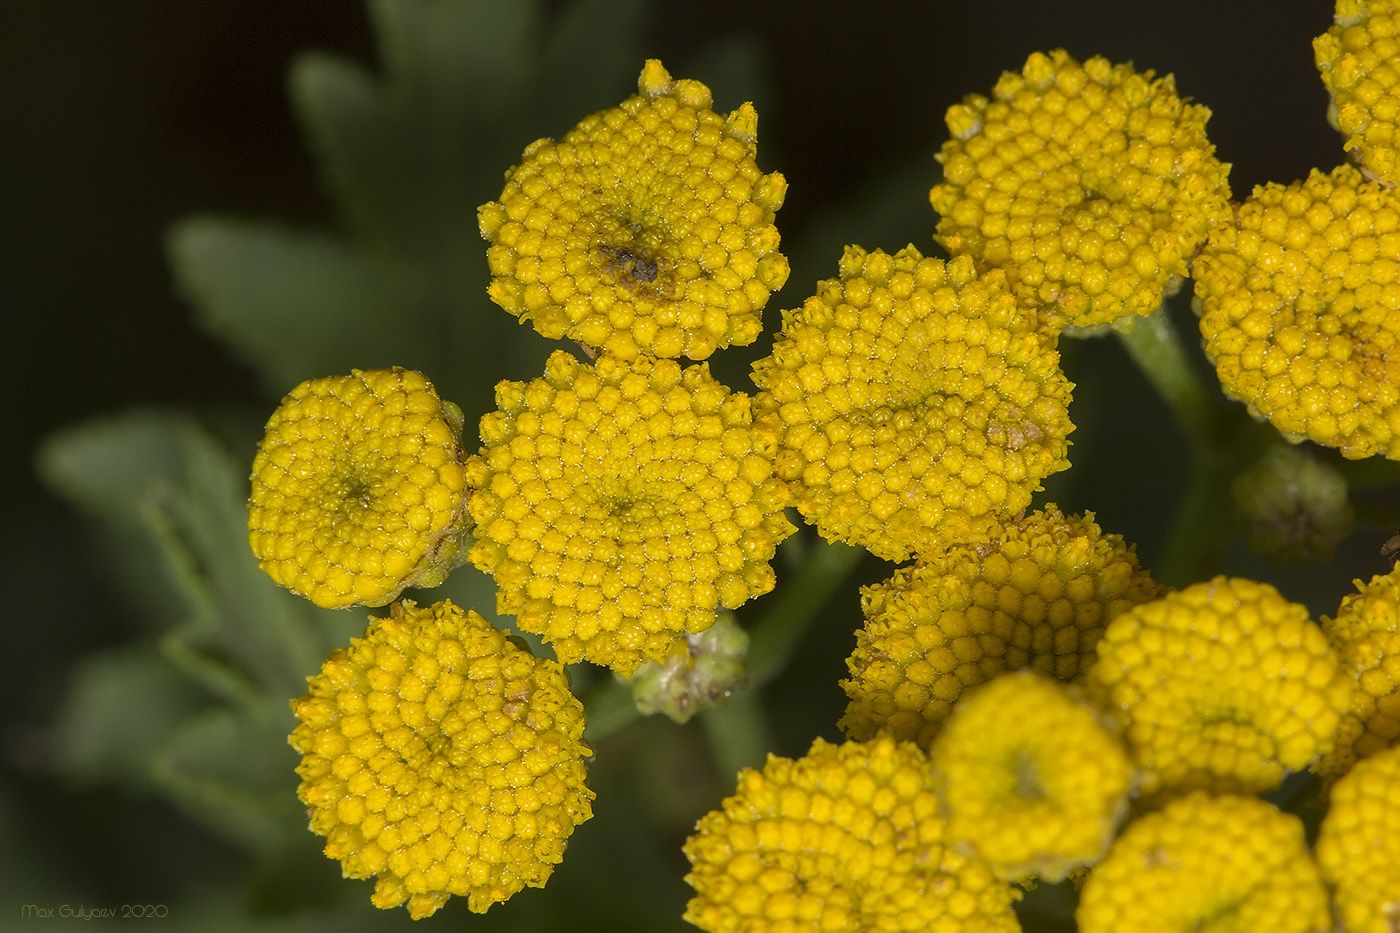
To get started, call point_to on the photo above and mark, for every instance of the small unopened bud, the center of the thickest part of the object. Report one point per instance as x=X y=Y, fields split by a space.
x=1294 y=506
x=699 y=672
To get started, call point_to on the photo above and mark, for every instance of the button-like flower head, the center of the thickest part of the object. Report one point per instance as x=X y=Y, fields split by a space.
x=918 y=404
x=647 y=228
x=1091 y=184
x=620 y=505
x=1300 y=309
x=847 y=838
x=443 y=758
x=1031 y=778
x=1222 y=686
x=1358 y=845
x=1203 y=862
x=1359 y=58
x=358 y=488
x=1038 y=596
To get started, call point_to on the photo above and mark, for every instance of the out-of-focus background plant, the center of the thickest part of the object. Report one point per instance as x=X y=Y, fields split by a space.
x=205 y=203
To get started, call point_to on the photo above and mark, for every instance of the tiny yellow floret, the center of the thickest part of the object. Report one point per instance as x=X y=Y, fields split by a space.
x=648 y=228
x=917 y=403
x=1300 y=310
x=1359 y=59
x=1039 y=596
x=1090 y=184
x=847 y=838
x=358 y=488
x=1031 y=778
x=1223 y=686
x=1226 y=864
x=1358 y=845
x=620 y=505
x=442 y=758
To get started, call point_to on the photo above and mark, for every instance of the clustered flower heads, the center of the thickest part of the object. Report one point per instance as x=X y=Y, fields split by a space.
x=1358 y=845
x=918 y=404
x=1300 y=309
x=1357 y=58
x=620 y=505
x=1033 y=778
x=847 y=838
x=1090 y=184
x=358 y=488
x=441 y=757
x=1223 y=686
x=1207 y=862
x=1038 y=596
x=1366 y=636
x=648 y=228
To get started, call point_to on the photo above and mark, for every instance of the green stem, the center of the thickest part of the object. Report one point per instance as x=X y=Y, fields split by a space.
x=738 y=733
x=1156 y=347
x=797 y=603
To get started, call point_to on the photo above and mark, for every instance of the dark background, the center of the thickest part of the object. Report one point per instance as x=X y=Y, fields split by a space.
x=117 y=118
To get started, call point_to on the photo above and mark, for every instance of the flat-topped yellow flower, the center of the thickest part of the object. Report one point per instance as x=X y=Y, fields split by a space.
x=1090 y=184
x=620 y=505
x=1365 y=633
x=647 y=228
x=1223 y=686
x=1032 y=778
x=1359 y=59
x=847 y=838
x=358 y=488
x=917 y=403
x=1358 y=845
x=442 y=758
x=1039 y=595
x=1226 y=864
x=1300 y=309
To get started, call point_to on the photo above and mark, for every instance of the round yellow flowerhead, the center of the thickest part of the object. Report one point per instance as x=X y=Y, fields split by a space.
x=1358 y=845
x=1038 y=596
x=1228 y=864
x=847 y=838
x=358 y=488
x=918 y=404
x=1300 y=310
x=648 y=228
x=1366 y=636
x=1090 y=184
x=443 y=758
x=1359 y=58
x=620 y=505
x=1223 y=686
x=1031 y=778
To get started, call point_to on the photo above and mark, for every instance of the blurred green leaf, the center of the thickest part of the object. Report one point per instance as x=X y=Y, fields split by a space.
x=234 y=771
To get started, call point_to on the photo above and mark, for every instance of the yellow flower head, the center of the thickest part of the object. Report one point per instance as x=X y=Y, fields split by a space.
x=1366 y=636
x=441 y=757
x=1300 y=310
x=1039 y=596
x=358 y=488
x=918 y=404
x=1222 y=686
x=1358 y=845
x=847 y=838
x=1359 y=58
x=1226 y=864
x=647 y=228
x=1091 y=184
x=1031 y=778
x=620 y=505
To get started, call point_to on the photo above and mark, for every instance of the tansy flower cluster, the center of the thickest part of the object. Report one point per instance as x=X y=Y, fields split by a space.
x=917 y=403
x=1038 y=597
x=1089 y=184
x=1357 y=59
x=441 y=758
x=619 y=505
x=358 y=488
x=648 y=228
x=1358 y=845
